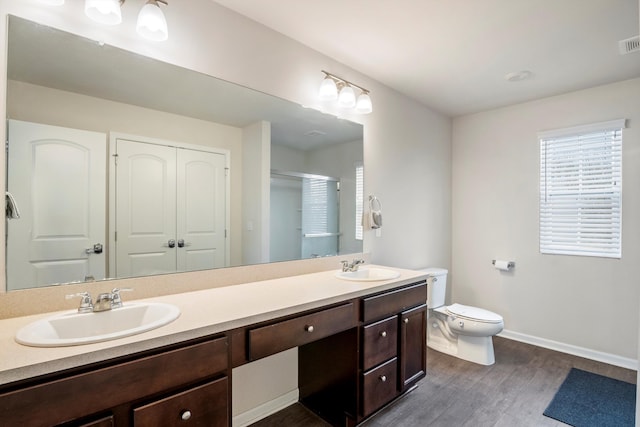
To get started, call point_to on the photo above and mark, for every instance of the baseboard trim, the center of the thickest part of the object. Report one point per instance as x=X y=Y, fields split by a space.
x=266 y=409
x=599 y=356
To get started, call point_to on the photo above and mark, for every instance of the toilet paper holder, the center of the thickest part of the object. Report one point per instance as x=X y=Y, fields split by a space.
x=510 y=264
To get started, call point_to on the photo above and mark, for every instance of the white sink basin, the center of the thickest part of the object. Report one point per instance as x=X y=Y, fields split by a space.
x=368 y=274
x=84 y=328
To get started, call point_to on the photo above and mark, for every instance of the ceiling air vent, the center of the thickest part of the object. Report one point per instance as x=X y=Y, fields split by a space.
x=629 y=45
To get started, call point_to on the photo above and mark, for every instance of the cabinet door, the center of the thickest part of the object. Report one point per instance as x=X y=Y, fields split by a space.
x=413 y=341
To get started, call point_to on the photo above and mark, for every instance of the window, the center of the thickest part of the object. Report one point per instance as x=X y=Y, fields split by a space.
x=359 y=200
x=581 y=190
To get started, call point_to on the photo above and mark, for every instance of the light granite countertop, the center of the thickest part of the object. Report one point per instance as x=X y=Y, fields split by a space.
x=203 y=313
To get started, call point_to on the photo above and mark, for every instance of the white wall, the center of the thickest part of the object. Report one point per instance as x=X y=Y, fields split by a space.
x=406 y=145
x=591 y=303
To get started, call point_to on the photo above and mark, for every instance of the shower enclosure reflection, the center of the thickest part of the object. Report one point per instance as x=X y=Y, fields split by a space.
x=304 y=216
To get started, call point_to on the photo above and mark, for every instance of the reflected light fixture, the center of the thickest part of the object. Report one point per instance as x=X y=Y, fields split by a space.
x=152 y=24
x=104 y=11
x=336 y=88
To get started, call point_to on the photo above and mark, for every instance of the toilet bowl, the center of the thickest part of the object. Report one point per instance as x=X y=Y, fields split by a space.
x=459 y=330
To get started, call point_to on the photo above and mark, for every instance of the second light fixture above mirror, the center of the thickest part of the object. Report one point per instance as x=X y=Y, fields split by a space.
x=335 y=88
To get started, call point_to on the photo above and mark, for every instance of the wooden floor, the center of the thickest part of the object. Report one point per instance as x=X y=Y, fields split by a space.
x=513 y=392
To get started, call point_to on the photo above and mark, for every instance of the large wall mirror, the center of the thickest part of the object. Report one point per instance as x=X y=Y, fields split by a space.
x=120 y=165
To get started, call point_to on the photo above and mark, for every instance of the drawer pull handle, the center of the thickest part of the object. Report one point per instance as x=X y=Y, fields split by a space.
x=383 y=334
x=308 y=328
x=406 y=320
x=383 y=378
x=185 y=415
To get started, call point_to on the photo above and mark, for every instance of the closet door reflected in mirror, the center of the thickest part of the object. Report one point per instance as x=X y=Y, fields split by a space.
x=170 y=209
x=57 y=177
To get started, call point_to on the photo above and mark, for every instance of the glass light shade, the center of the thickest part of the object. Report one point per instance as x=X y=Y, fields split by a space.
x=347 y=97
x=328 y=90
x=103 y=11
x=152 y=24
x=363 y=104
x=52 y=2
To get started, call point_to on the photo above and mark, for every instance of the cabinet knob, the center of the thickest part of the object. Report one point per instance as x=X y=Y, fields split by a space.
x=185 y=415
x=383 y=334
x=406 y=320
x=309 y=328
x=383 y=378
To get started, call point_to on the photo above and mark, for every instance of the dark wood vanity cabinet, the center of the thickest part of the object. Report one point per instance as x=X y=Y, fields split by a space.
x=183 y=384
x=347 y=377
x=354 y=357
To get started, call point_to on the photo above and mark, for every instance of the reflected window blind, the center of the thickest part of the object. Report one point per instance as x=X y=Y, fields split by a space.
x=315 y=200
x=359 y=201
x=581 y=190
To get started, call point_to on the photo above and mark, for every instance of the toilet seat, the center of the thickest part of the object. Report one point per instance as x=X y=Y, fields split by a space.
x=473 y=313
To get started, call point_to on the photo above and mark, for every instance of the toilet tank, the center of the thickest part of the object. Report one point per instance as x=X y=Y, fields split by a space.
x=436 y=286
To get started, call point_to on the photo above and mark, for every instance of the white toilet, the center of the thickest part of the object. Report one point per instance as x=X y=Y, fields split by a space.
x=459 y=330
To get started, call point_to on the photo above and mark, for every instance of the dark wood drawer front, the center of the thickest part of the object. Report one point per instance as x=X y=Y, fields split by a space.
x=74 y=397
x=380 y=341
x=388 y=303
x=206 y=405
x=271 y=339
x=379 y=386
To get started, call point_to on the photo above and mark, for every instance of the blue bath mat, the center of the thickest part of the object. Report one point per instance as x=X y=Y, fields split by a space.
x=586 y=399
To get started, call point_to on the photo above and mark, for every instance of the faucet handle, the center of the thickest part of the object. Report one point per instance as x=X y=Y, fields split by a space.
x=116 y=299
x=86 y=304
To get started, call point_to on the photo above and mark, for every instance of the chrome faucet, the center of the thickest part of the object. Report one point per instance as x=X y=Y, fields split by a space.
x=104 y=302
x=353 y=266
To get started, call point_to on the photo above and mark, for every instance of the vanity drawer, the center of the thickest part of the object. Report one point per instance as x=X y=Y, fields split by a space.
x=380 y=342
x=379 y=386
x=77 y=396
x=206 y=405
x=392 y=302
x=271 y=339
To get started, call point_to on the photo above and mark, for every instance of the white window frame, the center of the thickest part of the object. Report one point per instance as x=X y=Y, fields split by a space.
x=581 y=190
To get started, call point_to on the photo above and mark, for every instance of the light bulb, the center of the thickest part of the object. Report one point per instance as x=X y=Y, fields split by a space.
x=347 y=97
x=104 y=11
x=152 y=24
x=328 y=90
x=363 y=104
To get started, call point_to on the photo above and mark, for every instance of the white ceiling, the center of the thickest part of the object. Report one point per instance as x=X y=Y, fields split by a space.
x=453 y=55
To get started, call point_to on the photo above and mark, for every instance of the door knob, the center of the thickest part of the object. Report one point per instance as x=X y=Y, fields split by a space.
x=171 y=243
x=96 y=249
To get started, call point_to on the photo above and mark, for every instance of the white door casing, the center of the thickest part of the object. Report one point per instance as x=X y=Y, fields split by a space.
x=58 y=177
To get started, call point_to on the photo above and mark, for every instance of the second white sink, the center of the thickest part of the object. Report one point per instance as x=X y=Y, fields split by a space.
x=75 y=328
x=368 y=274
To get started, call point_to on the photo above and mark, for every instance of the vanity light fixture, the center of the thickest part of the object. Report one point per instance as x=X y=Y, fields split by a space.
x=152 y=24
x=336 y=88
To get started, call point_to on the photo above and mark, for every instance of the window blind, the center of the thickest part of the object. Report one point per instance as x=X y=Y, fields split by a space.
x=581 y=190
x=359 y=201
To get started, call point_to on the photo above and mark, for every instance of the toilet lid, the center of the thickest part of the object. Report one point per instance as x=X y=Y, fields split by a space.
x=474 y=313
